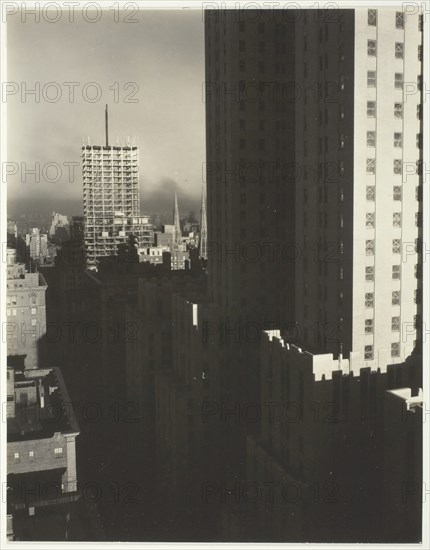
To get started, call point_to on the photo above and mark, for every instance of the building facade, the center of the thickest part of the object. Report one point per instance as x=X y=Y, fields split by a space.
x=358 y=198
x=25 y=312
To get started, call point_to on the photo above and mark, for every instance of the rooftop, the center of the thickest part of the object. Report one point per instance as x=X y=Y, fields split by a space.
x=42 y=405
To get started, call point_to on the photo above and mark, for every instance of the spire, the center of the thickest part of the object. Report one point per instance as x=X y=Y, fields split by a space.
x=203 y=229
x=176 y=222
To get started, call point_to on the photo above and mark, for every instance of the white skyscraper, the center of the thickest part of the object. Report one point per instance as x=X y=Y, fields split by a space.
x=111 y=199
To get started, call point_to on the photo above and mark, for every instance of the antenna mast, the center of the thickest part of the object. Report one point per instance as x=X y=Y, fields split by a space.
x=106 y=124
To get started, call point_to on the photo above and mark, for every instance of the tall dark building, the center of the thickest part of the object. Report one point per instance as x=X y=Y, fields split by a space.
x=250 y=154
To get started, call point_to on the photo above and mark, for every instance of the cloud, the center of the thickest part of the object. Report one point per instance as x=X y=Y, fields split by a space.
x=163 y=55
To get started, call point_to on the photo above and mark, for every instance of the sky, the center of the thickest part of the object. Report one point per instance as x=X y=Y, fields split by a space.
x=162 y=56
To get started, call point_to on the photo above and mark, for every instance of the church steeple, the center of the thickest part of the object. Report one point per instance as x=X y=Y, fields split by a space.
x=203 y=229
x=176 y=222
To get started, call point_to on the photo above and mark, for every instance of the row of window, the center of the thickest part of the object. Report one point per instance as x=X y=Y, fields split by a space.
x=58 y=453
x=372 y=19
x=12 y=313
x=369 y=325
x=370 y=220
x=369 y=299
x=397 y=165
x=399 y=49
x=395 y=275
x=397 y=140
x=13 y=300
x=398 y=80
x=398 y=107
x=395 y=351
x=396 y=243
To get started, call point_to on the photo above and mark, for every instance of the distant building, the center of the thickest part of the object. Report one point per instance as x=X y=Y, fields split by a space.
x=12 y=228
x=37 y=245
x=152 y=254
x=60 y=228
x=170 y=242
x=25 y=312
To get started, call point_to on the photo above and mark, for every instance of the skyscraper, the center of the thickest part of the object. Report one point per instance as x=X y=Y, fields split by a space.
x=357 y=201
x=111 y=199
x=250 y=153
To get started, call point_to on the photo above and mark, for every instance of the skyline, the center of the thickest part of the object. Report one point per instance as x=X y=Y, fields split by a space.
x=166 y=81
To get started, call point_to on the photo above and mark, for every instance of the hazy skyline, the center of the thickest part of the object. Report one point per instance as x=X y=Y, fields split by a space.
x=162 y=55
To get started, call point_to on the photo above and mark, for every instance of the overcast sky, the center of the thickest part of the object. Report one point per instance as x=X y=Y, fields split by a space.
x=163 y=54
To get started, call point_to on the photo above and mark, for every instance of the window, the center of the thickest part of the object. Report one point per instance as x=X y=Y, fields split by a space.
x=370 y=193
x=396 y=246
x=419 y=167
x=368 y=299
x=419 y=141
x=368 y=326
x=398 y=51
x=398 y=80
x=241 y=45
x=371 y=17
x=418 y=219
x=419 y=112
x=395 y=324
x=33 y=322
x=397 y=219
x=395 y=297
x=371 y=139
x=370 y=166
x=369 y=273
x=397 y=193
x=58 y=452
x=370 y=247
x=395 y=349
x=370 y=220
x=242 y=65
x=400 y=20
x=371 y=109
x=397 y=166
x=371 y=79
x=33 y=311
x=368 y=352
x=420 y=53
x=418 y=193
x=371 y=48
x=31 y=455
x=395 y=272
x=398 y=110
x=398 y=141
